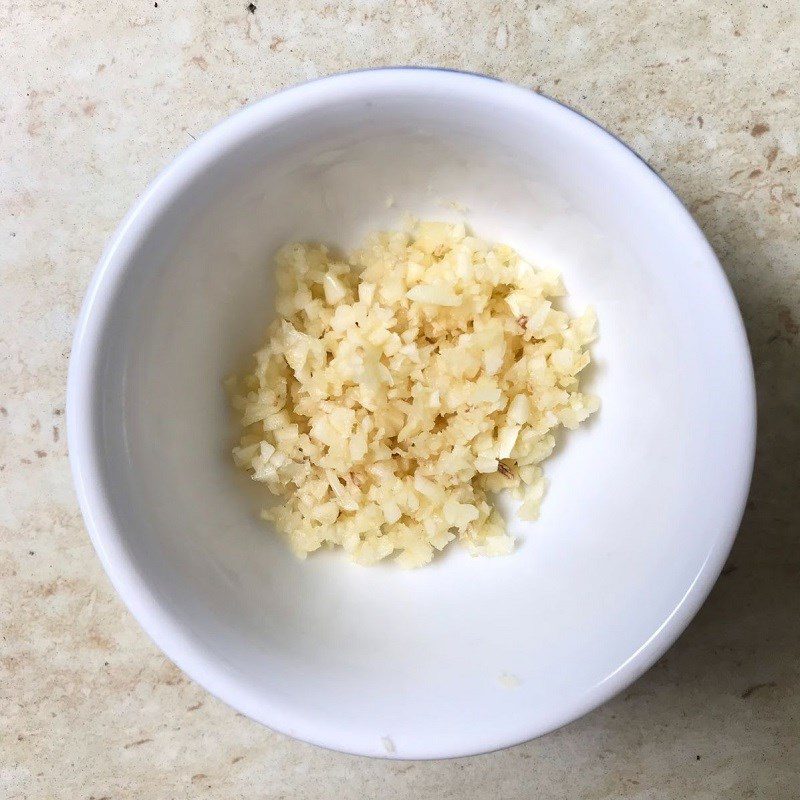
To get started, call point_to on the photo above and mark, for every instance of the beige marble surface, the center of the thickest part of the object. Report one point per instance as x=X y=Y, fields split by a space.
x=95 y=98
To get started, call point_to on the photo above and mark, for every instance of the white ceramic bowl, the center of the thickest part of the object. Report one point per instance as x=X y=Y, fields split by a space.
x=466 y=655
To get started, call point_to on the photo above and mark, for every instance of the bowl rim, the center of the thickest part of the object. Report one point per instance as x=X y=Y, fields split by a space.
x=86 y=464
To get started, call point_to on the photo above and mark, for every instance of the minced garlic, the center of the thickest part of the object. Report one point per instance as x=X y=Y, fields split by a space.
x=399 y=388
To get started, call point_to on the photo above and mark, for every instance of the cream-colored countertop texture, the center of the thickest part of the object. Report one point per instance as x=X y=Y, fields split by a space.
x=96 y=97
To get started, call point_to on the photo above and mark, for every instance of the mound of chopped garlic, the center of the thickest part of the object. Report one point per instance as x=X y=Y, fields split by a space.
x=399 y=388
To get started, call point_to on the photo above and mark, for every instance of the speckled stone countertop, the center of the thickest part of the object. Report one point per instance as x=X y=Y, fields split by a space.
x=95 y=98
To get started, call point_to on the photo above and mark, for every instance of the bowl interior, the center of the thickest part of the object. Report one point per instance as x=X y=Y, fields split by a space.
x=467 y=654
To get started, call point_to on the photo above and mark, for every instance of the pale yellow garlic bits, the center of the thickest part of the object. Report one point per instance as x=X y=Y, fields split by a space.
x=400 y=388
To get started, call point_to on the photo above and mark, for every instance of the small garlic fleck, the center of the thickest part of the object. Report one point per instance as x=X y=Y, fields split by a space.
x=509 y=681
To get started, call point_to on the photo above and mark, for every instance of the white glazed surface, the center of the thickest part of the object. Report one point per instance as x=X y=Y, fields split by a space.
x=643 y=502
